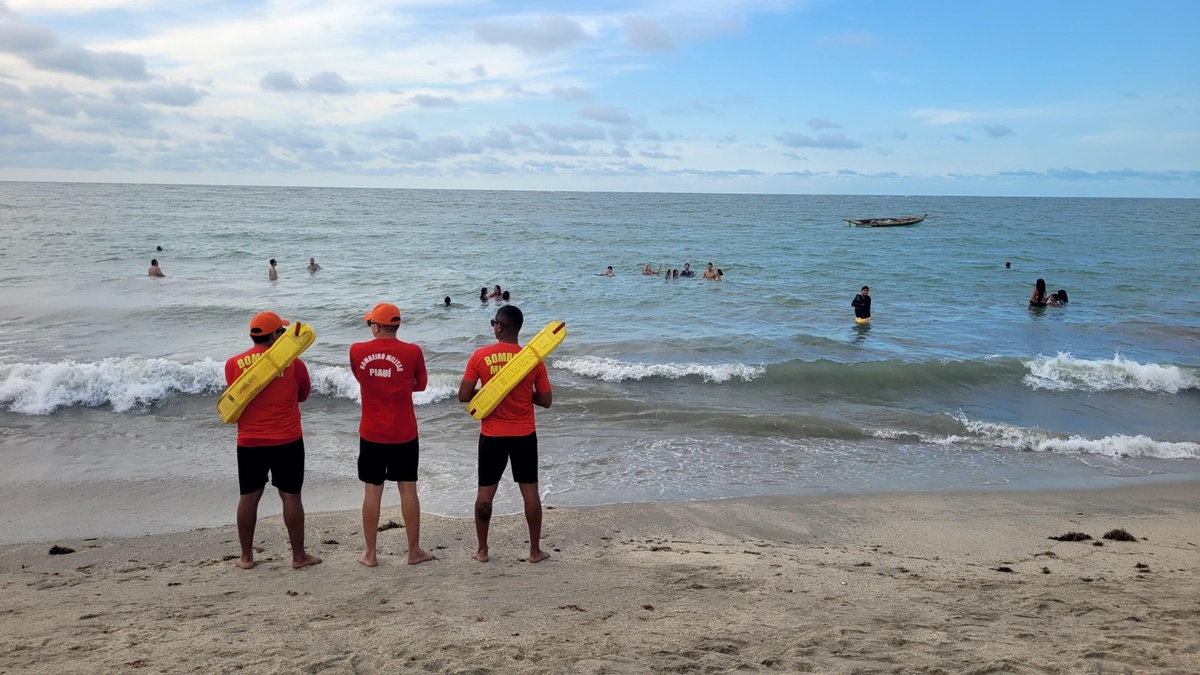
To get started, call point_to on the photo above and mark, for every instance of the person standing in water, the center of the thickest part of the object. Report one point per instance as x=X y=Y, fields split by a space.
x=272 y=273
x=862 y=304
x=155 y=270
x=1037 y=298
x=509 y=432
x=313 y=266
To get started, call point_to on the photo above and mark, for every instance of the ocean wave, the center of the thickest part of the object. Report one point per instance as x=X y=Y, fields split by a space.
x=133 y=383
x=125 y=384
x=1037 y=440
x=1066 y=373
x=611 y=370
x=339 y=382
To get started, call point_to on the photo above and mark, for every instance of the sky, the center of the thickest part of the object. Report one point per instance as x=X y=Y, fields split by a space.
x=982 y=97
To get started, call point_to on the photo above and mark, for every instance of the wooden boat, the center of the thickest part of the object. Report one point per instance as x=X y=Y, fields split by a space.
x=884 y=222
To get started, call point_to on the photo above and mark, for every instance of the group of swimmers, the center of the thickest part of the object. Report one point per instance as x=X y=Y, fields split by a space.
x=711 y=272
x=272 y=273
x=1038 y=297
x=496 y=294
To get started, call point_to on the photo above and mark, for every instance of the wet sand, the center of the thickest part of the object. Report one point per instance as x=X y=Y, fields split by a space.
x=917 y=582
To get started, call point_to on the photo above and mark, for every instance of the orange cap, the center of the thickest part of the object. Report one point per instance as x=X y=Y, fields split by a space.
x=384 y=314
x=266 y=323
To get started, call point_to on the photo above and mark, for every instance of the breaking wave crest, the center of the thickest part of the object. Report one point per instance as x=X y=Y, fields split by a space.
x=1067 y=373
x=611 y=370
x=1036 y=440
x=134 y=383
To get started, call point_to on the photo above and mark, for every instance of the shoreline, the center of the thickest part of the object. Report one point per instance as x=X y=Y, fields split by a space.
x=908 y=581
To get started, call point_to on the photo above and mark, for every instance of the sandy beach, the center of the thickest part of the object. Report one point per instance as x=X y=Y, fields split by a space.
x=933 y=583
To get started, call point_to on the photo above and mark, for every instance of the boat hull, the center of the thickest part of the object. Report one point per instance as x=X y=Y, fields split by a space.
x=884 y=222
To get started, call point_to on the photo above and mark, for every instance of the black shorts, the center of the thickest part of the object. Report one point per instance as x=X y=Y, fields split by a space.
x=284 y=462
x=495 y=451
x=378 y=462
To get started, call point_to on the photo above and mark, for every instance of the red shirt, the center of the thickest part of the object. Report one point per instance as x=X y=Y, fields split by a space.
x=273 y=417
x=388 y=372
x=514 y=415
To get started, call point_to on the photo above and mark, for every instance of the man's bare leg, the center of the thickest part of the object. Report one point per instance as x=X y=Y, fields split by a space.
x=372 y=495
x=483 y=517
x=293 y=519
x=533 y=516
x=247 y=517
x=410 y=508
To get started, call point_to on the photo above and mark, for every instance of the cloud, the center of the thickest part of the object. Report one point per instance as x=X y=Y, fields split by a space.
x=37 y=151
x=399 y=133
x=1078 y=174
x=717 y=105
x=175 y=95
x=960 y=137
x=552 y=33
x=14 y=124
x=40 y=47
x=326 y=82
x=479 y=71
x=819 y=123
x=655 y=154
x=606 y=113
x=572 y=132
x=279 y=80
x=899 y=134
x=571 y=94
x=646 y=33
x=427 y=101
x=836 y=141
x=998 y=131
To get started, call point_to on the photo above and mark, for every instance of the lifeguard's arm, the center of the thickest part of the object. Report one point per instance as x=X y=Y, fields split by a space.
x=422 y=375
x=231 y=372
x=542 y=394
x=303 y=380
x=466 y=388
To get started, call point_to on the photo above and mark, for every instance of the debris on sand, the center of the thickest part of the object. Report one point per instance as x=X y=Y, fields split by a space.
x=60 y=550
x=1119 y=535
x=389 y=525
x=1072 y=536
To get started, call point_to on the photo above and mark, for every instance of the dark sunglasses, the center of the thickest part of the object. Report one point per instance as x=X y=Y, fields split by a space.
x=498 y=323
x=280 y=331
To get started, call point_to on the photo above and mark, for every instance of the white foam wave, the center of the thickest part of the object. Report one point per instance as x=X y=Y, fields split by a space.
x=1117 y=445
x=339 y=382
x=125 y=384
x=1066 y=373
x=611 y=370
x=134 y=383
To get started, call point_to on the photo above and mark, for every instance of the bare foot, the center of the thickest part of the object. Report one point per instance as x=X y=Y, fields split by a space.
x=419 y=556
x=245 y=563
x=369 y=560
x=538 y=556
x=306 y=560
x=480 y=555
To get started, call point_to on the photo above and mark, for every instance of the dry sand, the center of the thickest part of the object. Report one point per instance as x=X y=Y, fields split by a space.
x=883 y=583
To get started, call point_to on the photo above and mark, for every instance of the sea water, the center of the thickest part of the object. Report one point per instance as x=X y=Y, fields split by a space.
x=759 y=384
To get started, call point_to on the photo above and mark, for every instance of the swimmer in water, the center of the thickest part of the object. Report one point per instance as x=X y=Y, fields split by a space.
x=862 y=304
x=1037 y=298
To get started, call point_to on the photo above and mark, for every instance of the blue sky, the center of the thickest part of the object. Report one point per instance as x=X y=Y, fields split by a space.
x=1059 y=98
